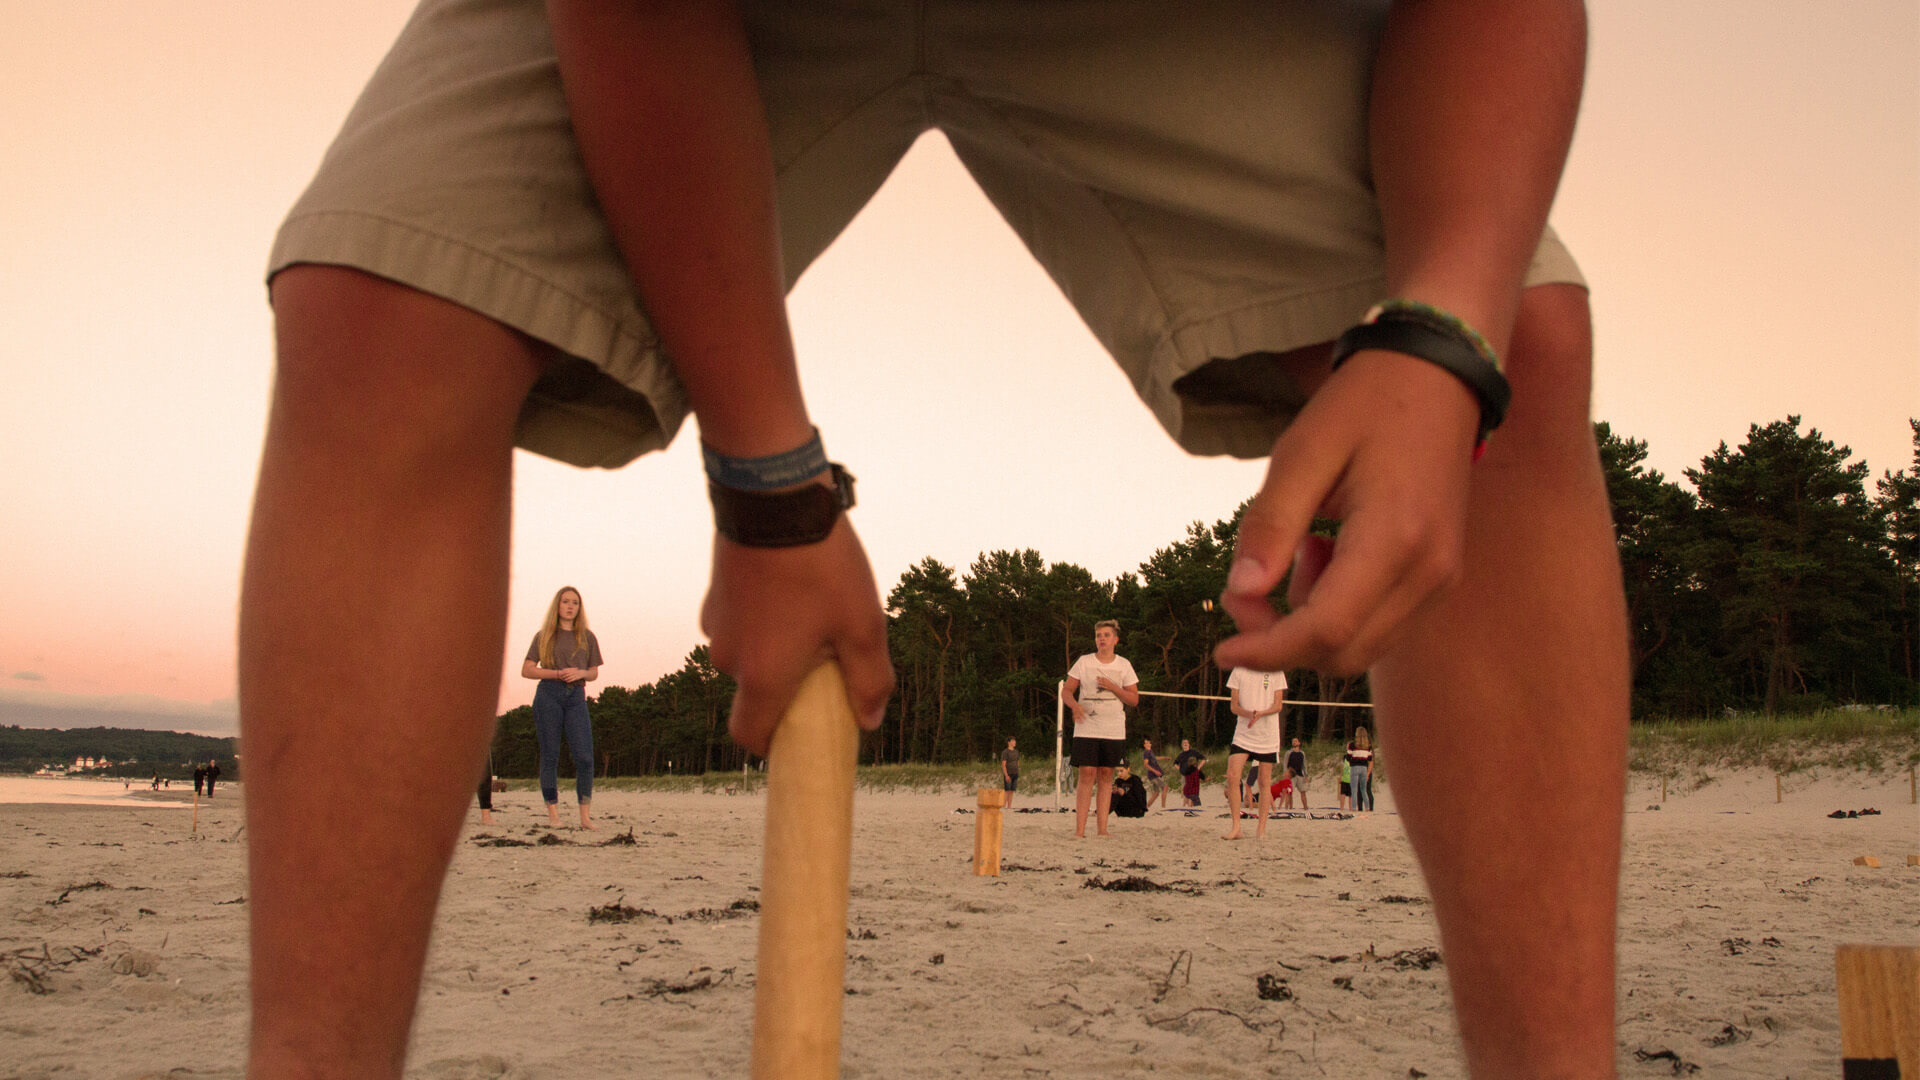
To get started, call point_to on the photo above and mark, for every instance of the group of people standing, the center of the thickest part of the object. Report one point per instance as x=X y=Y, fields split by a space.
x=1099 y=686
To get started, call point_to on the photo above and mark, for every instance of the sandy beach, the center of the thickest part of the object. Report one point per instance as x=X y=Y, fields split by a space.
x=1311 y=953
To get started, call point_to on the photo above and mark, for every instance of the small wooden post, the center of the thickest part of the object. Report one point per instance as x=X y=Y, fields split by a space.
x=801 y=977
x=194 y=830
x=1663 y=789
x=1913 y=786
x=1879 y=992
x=1776 y=787
x=987 y=824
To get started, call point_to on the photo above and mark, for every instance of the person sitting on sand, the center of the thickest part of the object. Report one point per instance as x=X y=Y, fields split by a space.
x=1256 y=700
x=1099 y=721
x=1129 y=793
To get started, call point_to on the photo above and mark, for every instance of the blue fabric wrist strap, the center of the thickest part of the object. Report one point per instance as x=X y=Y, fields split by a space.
x=768 y=473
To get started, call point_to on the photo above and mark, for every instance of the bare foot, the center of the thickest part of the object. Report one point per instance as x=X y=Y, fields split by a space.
x=553 y=815
x=1234 y=835
x=588 y=825
x=486 y=817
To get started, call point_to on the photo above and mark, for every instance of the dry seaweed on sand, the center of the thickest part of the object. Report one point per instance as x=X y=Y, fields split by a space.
x=499 y=841
x=698 y=979
x=619 y=912
x=737 y=909
x=1424 y=957
x=550 y=840
x=1271 y=987
x=1680 y=1067
x=62 y=898
x=625 y=839
x=30 y=969
x=1141 y=883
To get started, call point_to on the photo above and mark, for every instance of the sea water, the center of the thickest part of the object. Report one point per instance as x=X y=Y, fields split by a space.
x=77 y=792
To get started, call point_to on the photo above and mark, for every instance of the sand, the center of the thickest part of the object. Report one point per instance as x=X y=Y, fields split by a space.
x=1732 y=907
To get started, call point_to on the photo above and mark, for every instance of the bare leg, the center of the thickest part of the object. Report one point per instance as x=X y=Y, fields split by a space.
x=1265 y=800
x=585 y=821
x=1235 y=763
x=380 y=531
x=1082 y=798
x=1104 y=779
x=1528 y=651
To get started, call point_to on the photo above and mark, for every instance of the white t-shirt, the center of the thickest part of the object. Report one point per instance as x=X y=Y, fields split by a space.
x=1106 y=715
x=1258 y=690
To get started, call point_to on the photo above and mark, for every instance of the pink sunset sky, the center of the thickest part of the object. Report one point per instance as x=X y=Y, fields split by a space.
x=1742 y=196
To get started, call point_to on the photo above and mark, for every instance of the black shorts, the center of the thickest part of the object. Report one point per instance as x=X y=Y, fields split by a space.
x=1269 y=757
x=1009 y=783
x=1346 y=788
x=1098 y=753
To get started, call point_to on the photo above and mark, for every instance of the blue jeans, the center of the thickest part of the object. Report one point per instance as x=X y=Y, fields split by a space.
x=560 y=708
x=1362 y=788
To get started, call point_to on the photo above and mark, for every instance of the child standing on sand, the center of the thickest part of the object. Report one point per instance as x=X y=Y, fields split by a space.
x=1256 y=701
x=1098 y=688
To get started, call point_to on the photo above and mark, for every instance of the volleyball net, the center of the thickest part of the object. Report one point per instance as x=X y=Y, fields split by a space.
x=1060 y=722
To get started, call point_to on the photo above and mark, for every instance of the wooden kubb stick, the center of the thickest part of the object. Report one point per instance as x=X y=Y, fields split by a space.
x=801 y=976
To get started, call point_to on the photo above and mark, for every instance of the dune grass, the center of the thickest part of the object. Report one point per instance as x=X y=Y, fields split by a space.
x=1871 y=742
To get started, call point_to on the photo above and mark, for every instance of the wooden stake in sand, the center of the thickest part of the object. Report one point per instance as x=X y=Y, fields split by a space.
x=987 y=824
x=1776 y=787
x=195 y=829
x=1879 y=992
x=1663 y=789
x=803 y=884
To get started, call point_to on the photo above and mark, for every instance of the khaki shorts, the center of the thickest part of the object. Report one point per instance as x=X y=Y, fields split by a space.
x=1194 y=177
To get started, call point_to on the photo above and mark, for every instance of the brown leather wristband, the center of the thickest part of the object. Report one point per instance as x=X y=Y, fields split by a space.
x=804 y=515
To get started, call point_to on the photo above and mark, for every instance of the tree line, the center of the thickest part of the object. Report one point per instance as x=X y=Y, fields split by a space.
x=134 y=752
x=1775 y=581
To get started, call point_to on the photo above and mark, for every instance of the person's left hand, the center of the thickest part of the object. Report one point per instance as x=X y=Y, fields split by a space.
x=1384 y=446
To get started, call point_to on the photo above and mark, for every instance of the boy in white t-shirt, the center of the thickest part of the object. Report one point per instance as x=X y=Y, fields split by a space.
x=1099 y=686
x=1256 y=735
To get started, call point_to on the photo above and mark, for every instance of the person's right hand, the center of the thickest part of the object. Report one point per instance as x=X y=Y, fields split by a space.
x=571 y=674
x=775 y=614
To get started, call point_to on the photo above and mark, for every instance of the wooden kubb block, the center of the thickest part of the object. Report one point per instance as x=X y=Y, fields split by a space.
x=987 y=823
x=1866 y=860
x=1879 y=997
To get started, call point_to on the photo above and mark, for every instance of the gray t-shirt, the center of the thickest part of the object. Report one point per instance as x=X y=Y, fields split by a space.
x=1012 y=759
x=566 y=652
